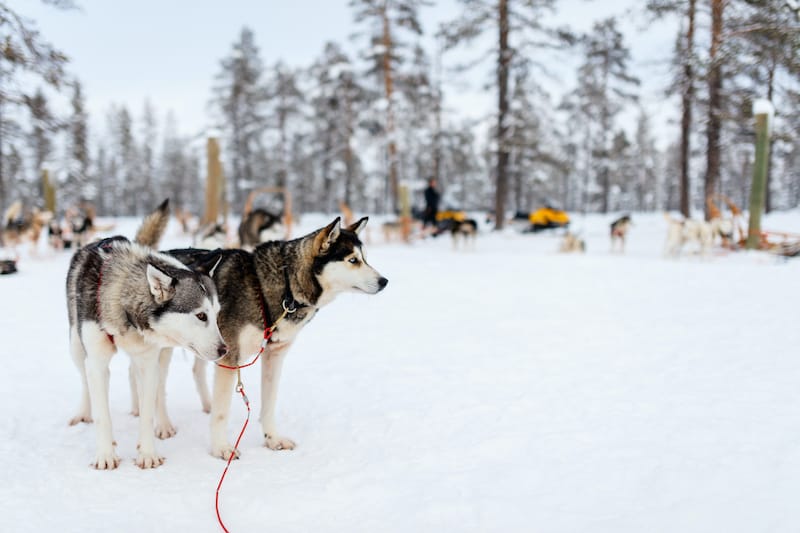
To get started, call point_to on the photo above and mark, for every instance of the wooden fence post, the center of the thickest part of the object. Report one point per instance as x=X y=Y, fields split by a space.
x=214 y=181
x=762 y=109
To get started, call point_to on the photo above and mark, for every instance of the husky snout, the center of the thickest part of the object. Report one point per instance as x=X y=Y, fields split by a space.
x=382 y=282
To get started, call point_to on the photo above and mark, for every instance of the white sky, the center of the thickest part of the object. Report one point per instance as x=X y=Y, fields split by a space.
x=169 y=51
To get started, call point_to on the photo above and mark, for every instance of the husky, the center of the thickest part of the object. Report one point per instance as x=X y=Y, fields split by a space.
x=701 y=233
x=123 y=294
x=619 y=230
x=258 y=226
x=300 y=276
x=572 y=243
x=392 y=230
x=210 y=236
x=23 y=225
x=467 y=230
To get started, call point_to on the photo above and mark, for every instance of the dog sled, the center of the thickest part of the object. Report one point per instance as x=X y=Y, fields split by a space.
x=776 y=242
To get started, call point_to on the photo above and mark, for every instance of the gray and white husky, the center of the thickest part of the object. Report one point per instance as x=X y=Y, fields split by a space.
x=301 y=275
x=123 y=294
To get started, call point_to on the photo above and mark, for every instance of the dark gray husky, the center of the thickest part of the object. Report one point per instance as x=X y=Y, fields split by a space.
x=123 y=294
x=301 y=276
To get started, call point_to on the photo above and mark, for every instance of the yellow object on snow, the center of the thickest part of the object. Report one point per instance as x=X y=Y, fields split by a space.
x=547 y=216
x=458 y=216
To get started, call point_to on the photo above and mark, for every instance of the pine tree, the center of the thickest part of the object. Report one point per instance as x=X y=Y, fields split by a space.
x=23 y=53
x=240 y=99
x=286 y=106
x=40 y=135
x=147 y=165
x=511 y=19
x=715 y=102
x=609 y=82
x=338 y=101
x=385 y=18
x=685 y=80
x=417 y=117
x=78 y=160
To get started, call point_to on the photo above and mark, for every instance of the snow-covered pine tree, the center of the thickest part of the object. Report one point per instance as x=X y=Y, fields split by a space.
x=239 y=100
x=521 y=35
x=385 y=21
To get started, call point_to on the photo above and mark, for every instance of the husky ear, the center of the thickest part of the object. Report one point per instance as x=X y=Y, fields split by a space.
x=160 y=285
x=327 y=236
x=358 y=226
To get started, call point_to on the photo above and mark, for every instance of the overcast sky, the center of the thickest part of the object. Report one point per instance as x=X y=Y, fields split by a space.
x=169 y=50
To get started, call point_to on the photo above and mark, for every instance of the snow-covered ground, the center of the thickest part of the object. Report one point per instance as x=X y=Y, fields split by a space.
x=510 y=388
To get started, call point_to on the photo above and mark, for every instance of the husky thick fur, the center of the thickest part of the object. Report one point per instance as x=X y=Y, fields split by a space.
x=699 y=234
x=259 y=226
x=571 y=243
x=619 y=231
x=466 y=229
x=122 y=294
x=301 y=275
x=21 y=225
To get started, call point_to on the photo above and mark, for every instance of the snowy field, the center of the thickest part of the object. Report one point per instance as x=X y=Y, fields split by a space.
x=510 y=388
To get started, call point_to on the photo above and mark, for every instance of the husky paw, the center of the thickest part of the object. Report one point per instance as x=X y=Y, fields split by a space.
x=225 y=451
x=82 y=417
x=135 y=411
x=206 y=406
x=149 y=460
x=106 y=461
x=165 y=431
x=274 y=442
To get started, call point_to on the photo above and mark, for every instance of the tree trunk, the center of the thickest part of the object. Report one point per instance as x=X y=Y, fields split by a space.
x=2 y=158
x=327 y=180
x=686 y=116
x=714 y=104
x=503 y=61
x=770 y=94
x=349 y=168
x=388 y=82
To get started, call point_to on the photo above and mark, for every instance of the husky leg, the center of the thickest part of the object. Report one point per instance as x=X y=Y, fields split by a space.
x=224 y=380
x=164 y=427
x=200 y=381
x=270 y=375
x=146 y=364
x=99 y=354
x=134 y=389
x=79 y=356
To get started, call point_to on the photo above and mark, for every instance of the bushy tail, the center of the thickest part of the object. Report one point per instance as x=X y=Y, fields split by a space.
x=12 y=213
x=153 y=226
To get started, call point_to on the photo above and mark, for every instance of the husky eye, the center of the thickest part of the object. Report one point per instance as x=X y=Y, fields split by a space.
x=353 y=261
x=202 y=317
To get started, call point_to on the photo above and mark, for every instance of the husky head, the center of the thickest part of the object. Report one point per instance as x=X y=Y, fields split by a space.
x=186 y=311
x=340 y=264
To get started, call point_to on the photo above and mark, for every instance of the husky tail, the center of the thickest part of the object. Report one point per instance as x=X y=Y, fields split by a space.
x=153 y=226
x=13 y=212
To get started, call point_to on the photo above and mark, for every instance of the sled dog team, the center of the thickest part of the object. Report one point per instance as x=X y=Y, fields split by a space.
x=216 y=303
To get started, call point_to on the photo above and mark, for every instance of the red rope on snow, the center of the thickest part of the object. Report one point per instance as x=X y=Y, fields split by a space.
x=268 y=330
x=239 y=389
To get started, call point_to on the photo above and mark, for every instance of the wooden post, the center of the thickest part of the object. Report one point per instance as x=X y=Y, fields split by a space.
x=405 y=212
x=762 y=109
x=214 y=181
x=48 y=191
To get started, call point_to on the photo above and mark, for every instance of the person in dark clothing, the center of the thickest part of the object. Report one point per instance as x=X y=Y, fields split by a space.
x=431 y=205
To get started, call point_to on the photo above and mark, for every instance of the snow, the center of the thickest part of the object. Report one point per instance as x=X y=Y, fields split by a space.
x=509 y=388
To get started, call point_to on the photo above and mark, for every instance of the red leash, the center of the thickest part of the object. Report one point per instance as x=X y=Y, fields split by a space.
x=240 y=390
x=268 y=330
